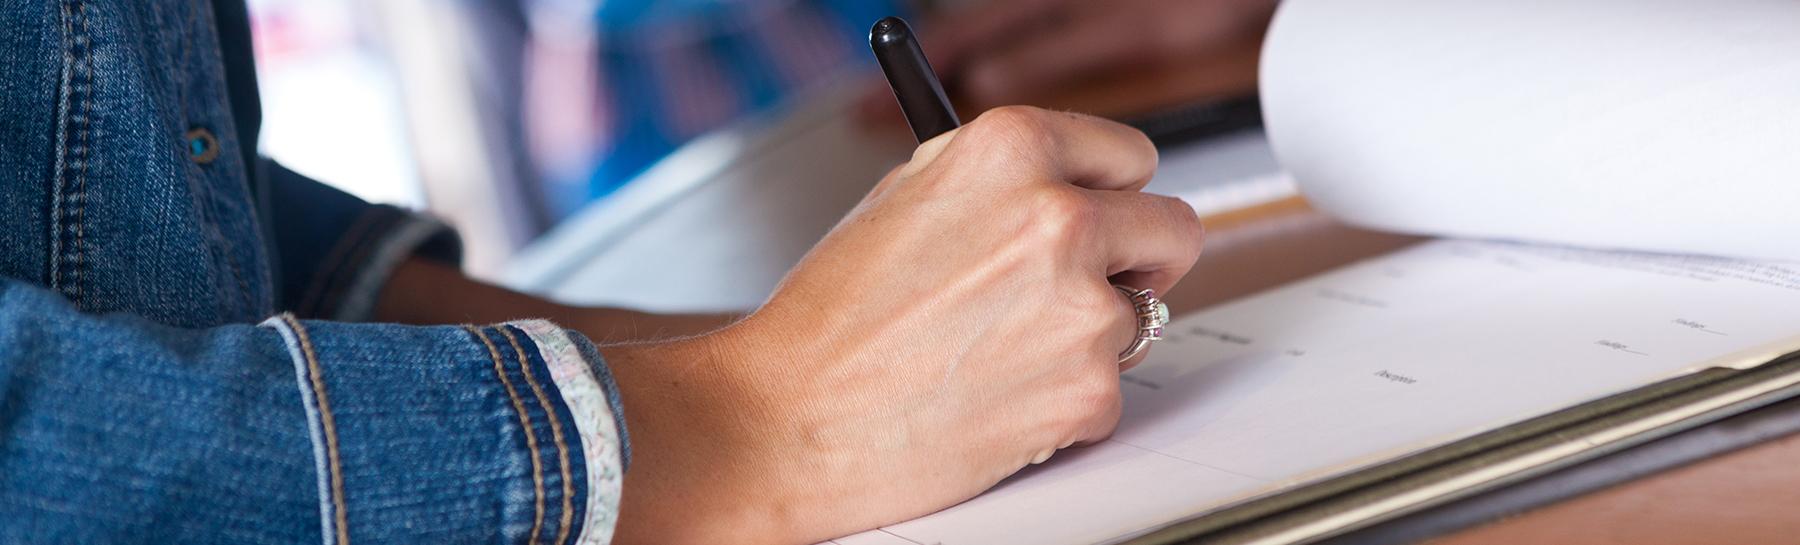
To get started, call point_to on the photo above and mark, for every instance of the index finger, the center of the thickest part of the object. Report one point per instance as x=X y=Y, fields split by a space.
x=1080 y=149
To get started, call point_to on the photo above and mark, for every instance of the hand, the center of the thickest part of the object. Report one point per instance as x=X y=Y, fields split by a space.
x=1012 y=51
x=956 y=326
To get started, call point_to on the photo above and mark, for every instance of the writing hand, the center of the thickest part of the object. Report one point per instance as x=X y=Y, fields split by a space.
x=956 y=326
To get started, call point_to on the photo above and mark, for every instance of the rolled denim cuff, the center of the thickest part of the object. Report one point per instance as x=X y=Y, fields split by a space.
x=345 y=287
x=502 y=433
x=335 y=252
x=588 y=389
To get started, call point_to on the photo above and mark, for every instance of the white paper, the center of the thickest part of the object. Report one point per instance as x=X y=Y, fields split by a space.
x=1664 y=125
x=1375 y=360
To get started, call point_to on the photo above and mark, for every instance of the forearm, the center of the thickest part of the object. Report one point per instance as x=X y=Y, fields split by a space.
x=425 y=292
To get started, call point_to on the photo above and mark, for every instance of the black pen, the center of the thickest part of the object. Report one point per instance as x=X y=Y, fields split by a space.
x=915 y=86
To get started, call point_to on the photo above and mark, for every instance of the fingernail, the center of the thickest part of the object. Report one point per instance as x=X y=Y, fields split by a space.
x=1042 y=456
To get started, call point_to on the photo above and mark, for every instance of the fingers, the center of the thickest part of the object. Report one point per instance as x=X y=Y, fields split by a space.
x=1151 y=241
x=1148 y=241
x=1067 y=147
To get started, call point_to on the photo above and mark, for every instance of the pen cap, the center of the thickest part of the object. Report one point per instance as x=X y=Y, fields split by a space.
x=915 y=86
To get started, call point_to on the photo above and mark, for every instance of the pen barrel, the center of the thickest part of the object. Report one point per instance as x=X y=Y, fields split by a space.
x=916 y=87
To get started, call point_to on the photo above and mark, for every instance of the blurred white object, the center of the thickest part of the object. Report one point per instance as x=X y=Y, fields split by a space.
x=716 y=224
x=1660 y=125
x=331 y=105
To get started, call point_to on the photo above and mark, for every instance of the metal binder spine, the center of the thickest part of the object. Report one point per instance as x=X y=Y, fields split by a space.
x=1489 y=460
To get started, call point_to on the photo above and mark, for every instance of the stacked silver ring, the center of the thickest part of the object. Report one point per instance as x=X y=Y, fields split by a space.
x=1152 y=315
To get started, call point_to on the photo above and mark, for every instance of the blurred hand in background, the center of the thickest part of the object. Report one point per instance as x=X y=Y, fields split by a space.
x=1026 y=51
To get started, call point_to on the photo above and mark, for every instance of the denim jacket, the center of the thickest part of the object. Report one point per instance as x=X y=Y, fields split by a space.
x=180 y=358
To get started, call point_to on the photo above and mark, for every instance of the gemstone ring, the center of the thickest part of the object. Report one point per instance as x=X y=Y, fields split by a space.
x=1152 y=315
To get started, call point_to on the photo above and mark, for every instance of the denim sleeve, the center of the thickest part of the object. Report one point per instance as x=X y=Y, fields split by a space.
x=114 y=429
x=333 y=252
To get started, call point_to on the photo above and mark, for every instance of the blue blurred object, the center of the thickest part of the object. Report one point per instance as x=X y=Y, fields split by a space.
x=671 y=70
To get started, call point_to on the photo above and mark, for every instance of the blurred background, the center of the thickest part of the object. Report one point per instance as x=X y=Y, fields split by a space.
x=508 y=118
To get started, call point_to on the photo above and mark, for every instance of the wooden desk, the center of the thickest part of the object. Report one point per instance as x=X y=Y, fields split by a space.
x=1748 y=496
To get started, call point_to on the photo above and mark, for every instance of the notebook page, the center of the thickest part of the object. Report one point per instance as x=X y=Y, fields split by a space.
x=1662 y=125
x=1372 y=361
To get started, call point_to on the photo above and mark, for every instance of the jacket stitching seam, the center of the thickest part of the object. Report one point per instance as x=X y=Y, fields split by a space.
x=60 y=168
x=556 y=434
x=71 y=121
x=531 y=444
x=84 y=117
x=328 y=424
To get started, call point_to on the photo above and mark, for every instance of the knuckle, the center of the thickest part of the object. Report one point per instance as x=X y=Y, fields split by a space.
x=1015 y=131
x=1012 y=117
x=1063 y=215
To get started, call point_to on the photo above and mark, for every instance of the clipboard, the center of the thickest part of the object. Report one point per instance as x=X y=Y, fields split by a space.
x=1491 y=460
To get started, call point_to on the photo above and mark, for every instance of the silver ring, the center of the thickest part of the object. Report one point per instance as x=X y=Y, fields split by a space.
x=1152 y=315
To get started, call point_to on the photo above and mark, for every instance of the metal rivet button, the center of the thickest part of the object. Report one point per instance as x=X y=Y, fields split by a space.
x=202 y=147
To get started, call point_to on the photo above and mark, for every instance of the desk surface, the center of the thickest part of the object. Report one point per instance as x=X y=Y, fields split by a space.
x=1746 y=496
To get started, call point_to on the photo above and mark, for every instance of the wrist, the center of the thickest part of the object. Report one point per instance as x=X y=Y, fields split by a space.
x=709 y=465
x=615 y=325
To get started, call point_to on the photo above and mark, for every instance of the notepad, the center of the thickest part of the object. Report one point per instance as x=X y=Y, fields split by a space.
x=1373 y=361
x=1662 y=125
